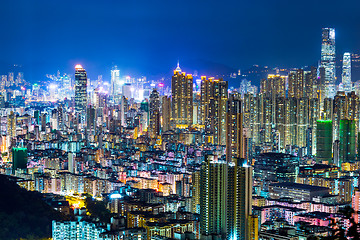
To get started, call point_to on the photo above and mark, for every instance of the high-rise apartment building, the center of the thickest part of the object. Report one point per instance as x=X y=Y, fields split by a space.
x=234 y=128
x=80 y=89
x=296 y=84
x=328 y=60
x=165 y=113
x=215 y=114
x=239 y=200
x=154 y=107
x=346 y=73
x=213 y=195
x=182 y=99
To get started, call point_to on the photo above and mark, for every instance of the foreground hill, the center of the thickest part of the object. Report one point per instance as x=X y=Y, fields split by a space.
x=24 y=214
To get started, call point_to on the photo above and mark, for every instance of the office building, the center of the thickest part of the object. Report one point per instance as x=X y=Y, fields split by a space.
x=115 y=81
x=328 y=60
x=346 y=73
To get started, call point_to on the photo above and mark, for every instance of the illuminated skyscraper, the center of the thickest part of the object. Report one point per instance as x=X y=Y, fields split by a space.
x=347 y=141
x=80 y=89
x=11 y=128
x=215 y=121
x=165 y=113
x=154 y=125
x=324 y=141
x=328 y=60
x=346 y=73
x=239 y=205
x=182 y=99
x=19 y=158
x=296 y=83
x=115 y=80
x=234 y=128
x=213 y=195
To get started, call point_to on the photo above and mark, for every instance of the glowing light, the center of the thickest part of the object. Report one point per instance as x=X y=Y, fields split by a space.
x=53 y=86
x=115 y=196
x=78 y=66
x=161 y=85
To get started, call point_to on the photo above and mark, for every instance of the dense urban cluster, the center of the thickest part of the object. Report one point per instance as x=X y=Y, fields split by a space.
x=135 y=159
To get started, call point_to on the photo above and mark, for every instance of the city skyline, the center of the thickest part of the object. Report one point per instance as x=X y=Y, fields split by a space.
x=253 y=135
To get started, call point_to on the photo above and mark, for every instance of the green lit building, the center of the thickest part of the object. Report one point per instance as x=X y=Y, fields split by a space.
x=347 y=141
x=324 y=141
x=19 y=159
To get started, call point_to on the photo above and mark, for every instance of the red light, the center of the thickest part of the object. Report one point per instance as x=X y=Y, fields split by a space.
x=161 y=85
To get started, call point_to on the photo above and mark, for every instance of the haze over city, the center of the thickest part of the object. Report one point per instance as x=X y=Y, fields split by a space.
x=148 y=37
x=179 y=120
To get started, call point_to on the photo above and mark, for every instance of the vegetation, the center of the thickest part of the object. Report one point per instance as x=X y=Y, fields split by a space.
x=24 y=214
x=97 y=209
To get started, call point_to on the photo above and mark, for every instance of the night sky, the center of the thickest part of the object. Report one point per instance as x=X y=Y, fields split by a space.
x=148 y=37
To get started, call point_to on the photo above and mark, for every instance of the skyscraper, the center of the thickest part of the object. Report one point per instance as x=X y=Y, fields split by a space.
x=328 y=60
x=213 y=195
x=346 y=73
x=215 y=120
x=182 y=99
x=165 y=113
x=347 y=141
x=296 y=83
x=154 y=126
x=80 y=89
x=115 y=80
x=324 y=141
x=239 y=205
x=234 y=128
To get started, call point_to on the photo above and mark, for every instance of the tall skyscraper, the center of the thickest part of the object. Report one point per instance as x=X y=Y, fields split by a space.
x=115 y=80
x=80 y=89
x=346 y=73
x=213 y=195
x=215 y=117
x=296 y=84
x=165 y=113
x=154 y=125
x=182 y=99
x=11 y=128
x=328 y=60
x=225 y=198
x=239 y=204
x=234 y=128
